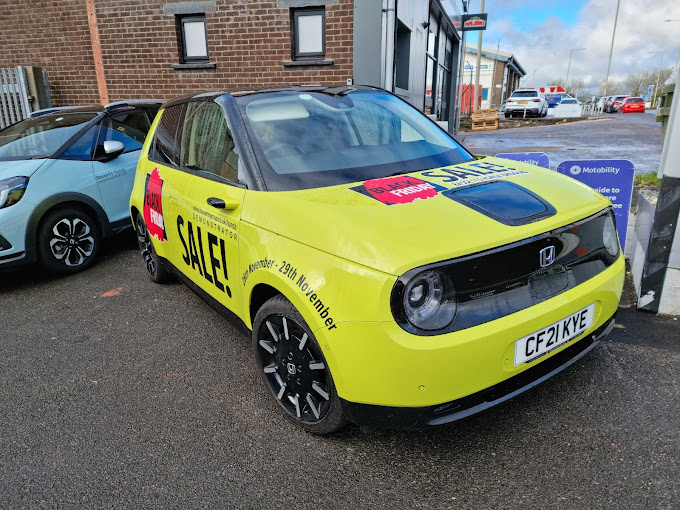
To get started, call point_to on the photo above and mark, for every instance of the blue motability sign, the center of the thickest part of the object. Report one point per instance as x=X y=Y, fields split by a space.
x=613 y=178
x=533 y=158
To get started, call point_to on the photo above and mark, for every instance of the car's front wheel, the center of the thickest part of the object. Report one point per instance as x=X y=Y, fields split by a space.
x=294 y=369
x=68 y=241
x=154 y=268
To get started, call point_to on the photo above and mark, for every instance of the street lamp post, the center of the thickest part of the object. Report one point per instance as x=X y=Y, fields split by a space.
x=571 y=51
x=658 y=76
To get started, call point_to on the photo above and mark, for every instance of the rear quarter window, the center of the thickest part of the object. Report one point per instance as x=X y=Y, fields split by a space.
x=165 y=146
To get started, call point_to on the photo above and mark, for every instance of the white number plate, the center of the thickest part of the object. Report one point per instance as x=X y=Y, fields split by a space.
x=549 y=338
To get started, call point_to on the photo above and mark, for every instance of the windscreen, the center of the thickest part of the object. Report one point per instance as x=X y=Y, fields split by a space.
x=525 y=93
x=312 y=139
x=42 y=136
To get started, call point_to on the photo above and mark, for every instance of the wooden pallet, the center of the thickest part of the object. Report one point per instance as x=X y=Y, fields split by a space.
x=485 y=125
x=489 y=114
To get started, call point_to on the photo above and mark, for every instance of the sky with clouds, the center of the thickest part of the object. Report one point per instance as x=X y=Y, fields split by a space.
x=542 y=33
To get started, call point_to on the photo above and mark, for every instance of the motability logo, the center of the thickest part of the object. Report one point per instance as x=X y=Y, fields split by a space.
x=153 y=205
x=575 y=170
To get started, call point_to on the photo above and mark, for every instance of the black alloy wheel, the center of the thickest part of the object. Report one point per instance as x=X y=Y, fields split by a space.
x=68 y=241
x=154 y=267
x=294 y=368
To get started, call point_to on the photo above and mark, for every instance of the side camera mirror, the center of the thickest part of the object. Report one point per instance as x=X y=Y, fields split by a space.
x=113 y=149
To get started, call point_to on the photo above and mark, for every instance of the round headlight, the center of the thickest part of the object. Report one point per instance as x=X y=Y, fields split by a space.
x=429 y=300
x=609 y=237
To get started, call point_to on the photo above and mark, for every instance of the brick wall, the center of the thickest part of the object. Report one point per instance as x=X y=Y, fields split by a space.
x=55 y=35
x=247 y=39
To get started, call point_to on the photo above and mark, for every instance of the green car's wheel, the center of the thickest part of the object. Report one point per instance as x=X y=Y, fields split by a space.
x=294 y=368
x=154 y=268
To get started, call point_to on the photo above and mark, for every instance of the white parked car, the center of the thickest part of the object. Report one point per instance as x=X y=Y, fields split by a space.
x=525 y=102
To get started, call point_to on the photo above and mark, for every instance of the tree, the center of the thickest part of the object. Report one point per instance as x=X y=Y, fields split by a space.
x=576 y=87
x=559 y=82
x=637 y=83
x=610 y=87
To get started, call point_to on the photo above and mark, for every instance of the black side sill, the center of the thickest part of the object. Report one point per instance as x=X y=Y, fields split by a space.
x=309 y=62
x=194 y=65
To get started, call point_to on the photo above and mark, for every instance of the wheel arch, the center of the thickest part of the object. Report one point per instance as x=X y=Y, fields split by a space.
x=87 y=204
x=259 y=295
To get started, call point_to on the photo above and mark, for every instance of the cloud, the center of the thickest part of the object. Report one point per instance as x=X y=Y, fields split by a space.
x=543 y=42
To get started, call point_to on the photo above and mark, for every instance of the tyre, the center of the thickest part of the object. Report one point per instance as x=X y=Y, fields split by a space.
x=294 y=369
x=152 y=262
x=68 y=241
x=507 y=115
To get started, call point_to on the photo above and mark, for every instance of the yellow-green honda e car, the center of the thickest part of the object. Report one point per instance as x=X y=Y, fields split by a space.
x=388 y=277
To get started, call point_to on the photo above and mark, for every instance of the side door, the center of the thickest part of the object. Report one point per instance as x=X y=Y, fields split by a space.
x=209 y=199
x=115 y=177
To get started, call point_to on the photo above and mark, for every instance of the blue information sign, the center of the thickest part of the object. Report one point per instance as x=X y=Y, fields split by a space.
x=613 y=178
x=533 y=158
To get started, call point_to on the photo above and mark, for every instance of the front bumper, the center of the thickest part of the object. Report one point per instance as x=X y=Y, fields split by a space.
x=13 y=226
x=381 y=366
x=373 y=416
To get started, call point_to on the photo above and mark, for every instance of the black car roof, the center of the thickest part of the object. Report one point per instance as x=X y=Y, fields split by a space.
x=208 y=95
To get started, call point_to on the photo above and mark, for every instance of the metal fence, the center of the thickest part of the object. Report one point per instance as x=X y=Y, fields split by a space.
x=14 y=96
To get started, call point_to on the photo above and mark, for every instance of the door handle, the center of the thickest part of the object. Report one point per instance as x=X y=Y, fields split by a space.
x=219 y=203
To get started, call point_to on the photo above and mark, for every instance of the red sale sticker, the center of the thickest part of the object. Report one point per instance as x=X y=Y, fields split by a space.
x=398 y=190
x=153 y=205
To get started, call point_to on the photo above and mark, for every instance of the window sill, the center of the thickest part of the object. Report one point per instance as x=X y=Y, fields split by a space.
x=194 y=65
x=308 y=62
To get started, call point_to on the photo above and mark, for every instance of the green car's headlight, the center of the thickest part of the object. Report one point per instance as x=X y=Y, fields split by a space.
x=429 y=300
x=609 y=237
x=11 y=190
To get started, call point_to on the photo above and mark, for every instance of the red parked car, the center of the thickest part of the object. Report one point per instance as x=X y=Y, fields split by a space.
x=632 y=105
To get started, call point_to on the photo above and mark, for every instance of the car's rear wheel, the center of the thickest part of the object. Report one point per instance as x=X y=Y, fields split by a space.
x=294 y=369
x=68 y=241
x=154 y=267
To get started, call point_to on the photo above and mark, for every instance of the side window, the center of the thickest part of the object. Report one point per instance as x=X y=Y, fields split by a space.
x=130 y=128
x=207 y=144
x=83 y=147
x=165 y=149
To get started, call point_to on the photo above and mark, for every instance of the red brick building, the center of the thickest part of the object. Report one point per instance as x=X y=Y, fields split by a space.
x=101 y=51
x=249 y=45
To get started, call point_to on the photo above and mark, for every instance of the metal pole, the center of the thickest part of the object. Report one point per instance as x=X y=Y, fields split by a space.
x=566 y=80
x=656 y=90
x=470 y=92
x=611 y=48
x=479 y=63
x=461 y=74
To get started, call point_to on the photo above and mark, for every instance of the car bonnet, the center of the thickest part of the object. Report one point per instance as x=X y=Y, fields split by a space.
x=397 y=223
x=20 y=168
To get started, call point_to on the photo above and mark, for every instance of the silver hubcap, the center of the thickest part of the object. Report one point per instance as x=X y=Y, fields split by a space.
x=71 y=241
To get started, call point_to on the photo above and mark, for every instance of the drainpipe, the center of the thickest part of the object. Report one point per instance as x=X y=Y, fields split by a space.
x=97 y=53
x=389 y=16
